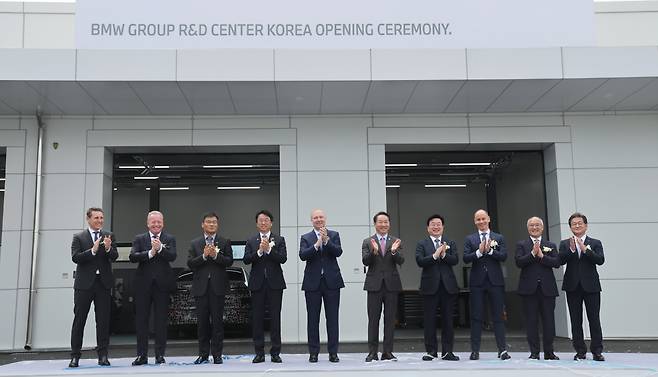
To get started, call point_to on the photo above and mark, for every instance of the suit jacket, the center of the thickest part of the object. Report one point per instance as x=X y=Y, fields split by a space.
x=582 y=270
x=88 y=264
x=268 y=265
x=487 y=264
x=157 y=268
x=210 y=272
x=534 y=270
x=381 y=269
x=436 y=271
x=319 y=262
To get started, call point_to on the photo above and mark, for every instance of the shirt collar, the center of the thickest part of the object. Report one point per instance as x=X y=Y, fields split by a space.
x=533 y=239
x=91 y=231
x=380 y=236
x=267 y=235
x=434 y=239
x=153 y=234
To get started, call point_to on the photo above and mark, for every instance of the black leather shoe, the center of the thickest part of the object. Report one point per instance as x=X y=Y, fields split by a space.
x=389 y=356
x=160 y=359
x=579 y=356
x=103 y=361
x=313 y=358
x=430 y=356
x=550 y=356
x=333 y=357
x=534 y=356
x=449 y=356
x=474 y=356
x=201 y=360
x=75 y=362
x=140 y=360
x=259 y=358
x=217 y=359
x=371 y=357
x=276 y=359
x=598 y=357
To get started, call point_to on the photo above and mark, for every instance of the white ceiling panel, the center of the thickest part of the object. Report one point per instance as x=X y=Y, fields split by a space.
x=477 y=96
x=610 y=93
x=253 y=97
x=519 y=96
x=6 y=110
x=388 y=97
x=68 y=96
x=117 y=98
x=302 y=97
x=20 y=96
x=433 y=96
x=643 y=99
x=343 y=97
x=208 y=98
x=565 y=94
x=162 y=98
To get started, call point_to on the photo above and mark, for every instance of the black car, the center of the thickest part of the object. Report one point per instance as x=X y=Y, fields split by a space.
x=237 y=306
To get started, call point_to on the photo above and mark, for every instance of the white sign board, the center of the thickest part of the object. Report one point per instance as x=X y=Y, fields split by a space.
x=333 y=24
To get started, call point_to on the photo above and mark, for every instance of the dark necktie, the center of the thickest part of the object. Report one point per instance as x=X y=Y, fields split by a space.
x=437 y=243
x=484 y=237
x=96 y=236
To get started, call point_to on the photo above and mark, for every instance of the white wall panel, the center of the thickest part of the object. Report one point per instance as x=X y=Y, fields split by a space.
x=615 y=141
x=489 y=135
x=71 y=138
x=526 y=63
x=290 y=321
x=12 y=138
x=431 y=121
x=515 y=120
x=11 y=30
x=126 y=65
x=28 y=64
x=54 y=265
x=624 y=312
x=331 y=143
x=291 y=267
x=139 y=138
x=560 y=196
x=62 y=205
x=617 y=195
x=47 y=30
x=244 y=137
x=417 y=64
x=417 y=135
x=586 y=62
x=225 y=65
x=9 y=259
x=353 y=314
x=13 y=202
x=142 y=123
x=558 y=156
x=321 y=65
x=7 y=318
x=288 y=198
x=241 y=122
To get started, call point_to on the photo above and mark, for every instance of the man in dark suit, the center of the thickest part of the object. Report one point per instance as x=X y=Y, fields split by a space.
x=582 y=254
x=266 y=252
x=436 y=255
x=537 y=257
x=486 y=250
x=209 y=255
x=154 y=280
x=322 y=282
x=381 y=252
x=93 y=250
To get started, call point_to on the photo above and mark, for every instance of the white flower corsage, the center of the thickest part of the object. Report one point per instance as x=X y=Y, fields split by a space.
x=271 y=244
x=493 y=243
x=588 y=248
x=546 y=249
x=447 y=246
x=217 y=249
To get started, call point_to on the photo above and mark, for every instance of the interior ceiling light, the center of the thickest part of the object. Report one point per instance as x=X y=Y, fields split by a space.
x=392 y=186
x=238 y=187
x=470 y=164
x=145 y=177
x=445 y=186
x=181 y=188
x=161 y=167
x=131 y=167
x=401 y=165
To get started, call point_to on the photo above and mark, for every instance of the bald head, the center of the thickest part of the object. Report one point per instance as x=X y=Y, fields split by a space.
x=481 y=220
x=318 y=219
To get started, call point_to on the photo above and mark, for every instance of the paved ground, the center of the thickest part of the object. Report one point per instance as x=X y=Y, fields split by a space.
x=408 y=340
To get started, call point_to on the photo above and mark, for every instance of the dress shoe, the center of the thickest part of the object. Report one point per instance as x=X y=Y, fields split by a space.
x=313 y=358
x=598 y=357
x=103 y=361
x=449 y=356
x=276 y=359
x=430 y=356
x=140 y=360
x=259 y=358
x=333 y=357
x=371 y=357
x=160 y=359
x=75 y=362
x=534 y=356
x=579 y=356
x=201 y=360
x=550 y=356
x=503 y=355
x=474 y=356
x=217 y=359
x=389 y=356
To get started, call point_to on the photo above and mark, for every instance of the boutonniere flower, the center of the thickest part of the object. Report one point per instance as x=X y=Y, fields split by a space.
x=588 y=248
x=447 y=246
x=272 y=244
x=217 y=249
x=546 y=249
x=493 y=243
